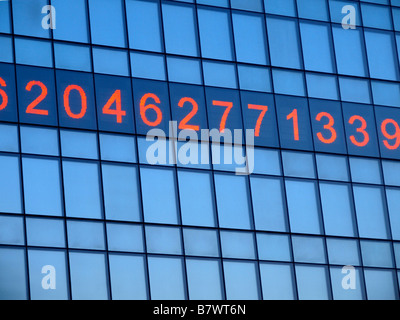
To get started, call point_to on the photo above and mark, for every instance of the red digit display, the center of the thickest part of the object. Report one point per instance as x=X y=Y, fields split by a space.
x=361 y=130
x=3 y=95
x=144 y=108
x=228 y=106
x=389 y=136
x=31 y=107
x=293 y=115
x=328 y=126
x=118 y=112
x=260 y=118
x=183 y=124
x=67 y=106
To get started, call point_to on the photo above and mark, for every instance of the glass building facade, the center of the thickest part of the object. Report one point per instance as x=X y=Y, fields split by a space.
x=79 y=199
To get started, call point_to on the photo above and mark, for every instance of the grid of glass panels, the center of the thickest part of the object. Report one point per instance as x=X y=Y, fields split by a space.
x=83 y=198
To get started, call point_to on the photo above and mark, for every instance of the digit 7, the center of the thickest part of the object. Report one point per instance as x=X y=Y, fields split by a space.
x=228 y=106
x=263 y=109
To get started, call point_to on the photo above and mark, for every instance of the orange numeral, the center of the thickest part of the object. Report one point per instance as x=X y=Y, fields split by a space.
x=328 y=126
x=387 y=135
x=293 y=115
x=263 y=109
x=116 y=97
x=67 y=107
x=361 y=130
x=144 y=108
x=31 y=108
x=183 y=124
x=228 y=106
x=3 y=95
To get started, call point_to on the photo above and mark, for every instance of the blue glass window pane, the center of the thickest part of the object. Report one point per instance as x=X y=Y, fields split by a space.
x=9 y=138
x=267 y=162
x=163 y=240
x=283 y=42
x=337 y=209
x=128 y=277
x=5 y=21
x=204 y=279
x=241 y=281
x=282 y=7
x=215 y=34
x=37 y=260
x=179 y=29
x=381 y=55
x=339 y=293
x=10 y=186
x=33 y=52
x=110 y=61
x=393 y=200
x=268 y=204
x=343 y=251
x=27 y=18
x=376 y=16
x=37 y=140
x=184 y=70
x=377 y=254
x=219 y=74
x=124 y=237
x=149 y=66
x=88 y=276
x=386 y=93
x=121 y=194
x=371 y=215
x=79 y=144
x=355 y=90
x=380 y=284
x=238 y=245
x=396 y=18
x=6 y=43
x=142 y=34
x=71 y=23
x=162 y=154
x=166 y=278
x=72 y=57
x=107 y=22
x=391 y=172
x=232 y=201
x=12 y=230
x=218 y=3
x=45 y=232
x=365 y=170
x=322 y=86
x=302 y=252
x=288 y=82
x=159 y=195
x=13 y=276
x=298 y=164
x=313 y=9
x=312 y=282
x=254 y=78
x=349 y=49
x=332 y=167
x=337 y=16
x=82 y=190
x=277 y=281
x=303 y=207
x=199 y=242
x=195 y=190
x=85 y=235
x=273 y=247
x=250 y=49
x=116 y=147
x=253 y=5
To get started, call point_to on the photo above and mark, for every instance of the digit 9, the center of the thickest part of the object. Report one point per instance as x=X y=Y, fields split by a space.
x=395 y=136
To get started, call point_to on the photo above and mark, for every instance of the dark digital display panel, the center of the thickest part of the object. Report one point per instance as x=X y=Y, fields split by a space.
x=119 y=104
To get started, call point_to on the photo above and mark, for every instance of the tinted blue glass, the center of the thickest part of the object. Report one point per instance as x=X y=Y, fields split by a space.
x=13 y=277
x=393 y=199
x=72 y=57
x=166 y=278
x=7 y=73
x=79 y=144
x=124 y=237
x=343 y=251
x=283 y=7
x=204 y=279
x=337 y=209
x=85 y=235
x=371 y=213
x=39 y=140
x=156 y=150
x=377 y=254
x=71 y=23
x=277 y=281
x=163 y=240
x=219 y=74
x=254 y=78
x=32 y=84
x=322 y=86
x=273 y=247
x=10 y=187
x=303 y=207
x=215 y=34
x=313 y=9
x=88 y=276
x=45 y=232
x=12 y=230
x=312 y=282
x=218 y=3
x=107 y=22
x=253 y=5
x=288 y=82
x=149 y=66
x=355 y=90
x=81 y=189
x=359 y=167
x=241 y=280
x=27 y=18
x=238 y=245
x=110 y=61
x=380 y=284
x=196 y=194
x=232 y=214
x=200 y=242
x=301 y=249
x=388 y=147
x=115 y=147
x=267 y=161
x=7 y=45
x=298 y=164
x=128 y=277
x=376 y=16
x=391 y=172
x=159 y=195
x=184 y=70
x=332 y=167
x=33 y=52
x=250 y=49
x=5 y=21
x=386 y=93
x=144 y=35
x=42 y=189
x=339 y=293
x=179 y=29
x=121 y=194
x=336 y=7
x=38 y=259
x=193 y=154
x=283 y=42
